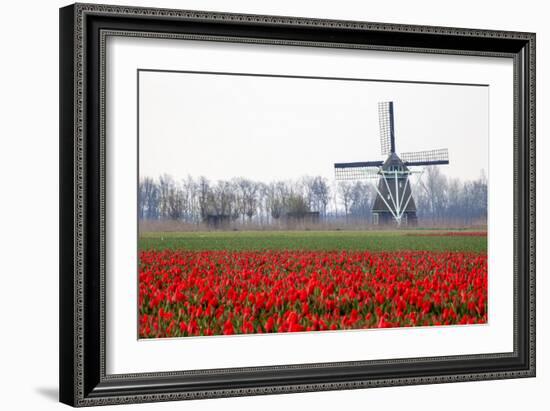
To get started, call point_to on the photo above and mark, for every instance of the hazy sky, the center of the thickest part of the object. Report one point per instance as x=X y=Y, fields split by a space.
x=267 y=128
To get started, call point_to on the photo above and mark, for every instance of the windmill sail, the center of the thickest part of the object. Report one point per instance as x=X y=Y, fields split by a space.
x=387 y=134
x=356 y=171
x=426 y=158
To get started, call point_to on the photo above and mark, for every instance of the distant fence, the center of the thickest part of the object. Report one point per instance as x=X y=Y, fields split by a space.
x=299 y=224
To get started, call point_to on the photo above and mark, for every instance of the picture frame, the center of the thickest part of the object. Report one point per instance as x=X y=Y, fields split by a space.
x=84 y=223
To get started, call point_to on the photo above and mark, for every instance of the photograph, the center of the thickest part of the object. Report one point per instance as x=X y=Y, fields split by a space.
x=284 y=203
x=276 y=203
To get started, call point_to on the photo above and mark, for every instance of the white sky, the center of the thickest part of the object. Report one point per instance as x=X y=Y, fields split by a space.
x=267 y=128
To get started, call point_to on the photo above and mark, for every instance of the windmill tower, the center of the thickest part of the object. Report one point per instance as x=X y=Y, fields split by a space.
x=394 y=200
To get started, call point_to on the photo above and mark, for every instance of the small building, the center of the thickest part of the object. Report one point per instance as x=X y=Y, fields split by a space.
x=310 y=217
x=217 y=221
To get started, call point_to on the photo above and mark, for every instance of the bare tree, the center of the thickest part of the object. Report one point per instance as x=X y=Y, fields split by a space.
x=435 y=187
x=297 y=204
x=360 y=197
x=321 y=194
x=166 y=183
x=223 y=199
x=148 y=199
x=278 y=194
x=262 y=200
x=247 y=197
x=345 y=191
x=204 y=196
x=191 y=199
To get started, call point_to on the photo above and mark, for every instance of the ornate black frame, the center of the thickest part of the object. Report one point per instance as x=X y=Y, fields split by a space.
x=83 y=29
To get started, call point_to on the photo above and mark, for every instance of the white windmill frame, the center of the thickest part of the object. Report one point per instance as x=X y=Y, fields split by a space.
x=398 y=210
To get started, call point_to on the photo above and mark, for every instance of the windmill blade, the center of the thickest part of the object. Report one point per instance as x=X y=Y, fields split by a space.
x=356 y=171
x=426 y=158
x=385 y=120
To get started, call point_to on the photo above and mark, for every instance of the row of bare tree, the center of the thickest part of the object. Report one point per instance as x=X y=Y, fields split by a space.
x=440 y=199
x=242 y=200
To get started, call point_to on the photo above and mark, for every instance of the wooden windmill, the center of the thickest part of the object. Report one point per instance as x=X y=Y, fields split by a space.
x=394 y=200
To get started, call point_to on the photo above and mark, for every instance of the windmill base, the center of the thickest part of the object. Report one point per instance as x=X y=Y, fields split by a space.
x=384 y=218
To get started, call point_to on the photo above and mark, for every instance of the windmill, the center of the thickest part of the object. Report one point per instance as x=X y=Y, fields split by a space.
x=394 y=200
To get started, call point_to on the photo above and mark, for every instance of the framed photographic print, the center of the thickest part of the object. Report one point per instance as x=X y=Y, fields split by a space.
x=263 y=204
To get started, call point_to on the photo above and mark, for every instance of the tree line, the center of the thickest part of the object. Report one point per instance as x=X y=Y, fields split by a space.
x=194 y=200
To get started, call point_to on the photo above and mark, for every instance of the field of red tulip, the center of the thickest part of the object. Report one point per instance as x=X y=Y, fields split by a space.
x=187 y=292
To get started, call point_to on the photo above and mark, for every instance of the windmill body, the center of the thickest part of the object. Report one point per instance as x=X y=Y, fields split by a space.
x=394 y=201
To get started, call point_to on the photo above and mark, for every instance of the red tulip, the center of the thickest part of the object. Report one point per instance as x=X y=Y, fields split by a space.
x=222 y=292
